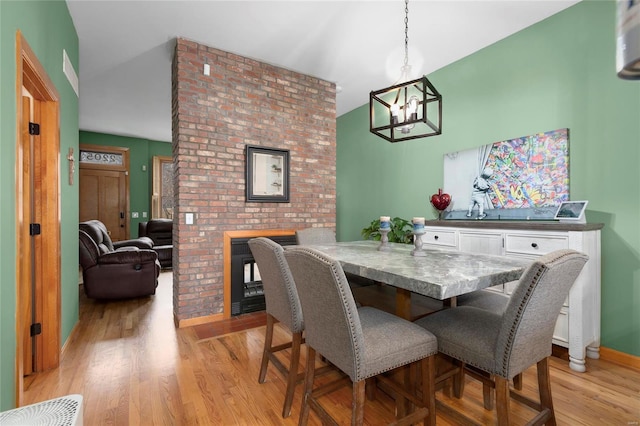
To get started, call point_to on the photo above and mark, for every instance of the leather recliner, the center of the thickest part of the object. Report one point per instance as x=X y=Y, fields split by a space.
x=161 y=233
x=119 y=270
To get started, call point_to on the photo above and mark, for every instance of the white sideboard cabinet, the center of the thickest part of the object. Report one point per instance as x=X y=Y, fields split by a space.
x=578 y=325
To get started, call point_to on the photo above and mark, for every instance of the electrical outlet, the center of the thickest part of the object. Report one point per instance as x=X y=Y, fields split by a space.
x=144 y=214
x=134 y=215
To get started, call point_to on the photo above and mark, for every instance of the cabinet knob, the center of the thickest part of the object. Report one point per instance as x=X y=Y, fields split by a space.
x=435 y=237
x=534 y=245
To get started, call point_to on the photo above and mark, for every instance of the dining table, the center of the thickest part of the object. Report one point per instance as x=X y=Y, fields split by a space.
x=438 y=273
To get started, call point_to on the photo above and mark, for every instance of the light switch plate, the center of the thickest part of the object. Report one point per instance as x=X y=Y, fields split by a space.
x=188 y=218
x=134 y=215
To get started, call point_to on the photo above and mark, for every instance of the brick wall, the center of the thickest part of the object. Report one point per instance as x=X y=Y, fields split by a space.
x=242 y=102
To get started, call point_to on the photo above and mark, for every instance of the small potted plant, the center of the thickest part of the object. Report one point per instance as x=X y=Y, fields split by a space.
x=400 y=231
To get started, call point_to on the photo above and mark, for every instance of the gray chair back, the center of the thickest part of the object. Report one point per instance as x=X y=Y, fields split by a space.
x=280 y=293
x=315 y=236
x=331 y=317
x=530 y=316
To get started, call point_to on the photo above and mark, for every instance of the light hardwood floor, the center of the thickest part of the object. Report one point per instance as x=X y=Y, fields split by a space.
x=133 y=367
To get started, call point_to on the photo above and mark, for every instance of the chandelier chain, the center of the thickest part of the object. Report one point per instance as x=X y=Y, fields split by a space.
x=406 y=32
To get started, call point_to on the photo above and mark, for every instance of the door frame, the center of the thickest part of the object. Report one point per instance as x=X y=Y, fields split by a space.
x=156 y=196
x=124 y=167
x=46 y=195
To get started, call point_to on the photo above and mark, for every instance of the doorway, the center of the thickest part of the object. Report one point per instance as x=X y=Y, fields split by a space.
x=104 y=188
x=37 y=218
x=162 y=198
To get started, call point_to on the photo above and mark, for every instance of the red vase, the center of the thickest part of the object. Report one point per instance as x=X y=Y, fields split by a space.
x=440 y=200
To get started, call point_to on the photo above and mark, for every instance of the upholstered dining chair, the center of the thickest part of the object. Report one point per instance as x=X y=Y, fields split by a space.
x=495 y=302
x=361 y=342
x=282 y=305
x=327 y=236
x=315 y=236
x=488 y=300
x=505 y=344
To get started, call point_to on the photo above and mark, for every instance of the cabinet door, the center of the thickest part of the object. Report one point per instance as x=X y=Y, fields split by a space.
x=485 y=243
x=561 y=331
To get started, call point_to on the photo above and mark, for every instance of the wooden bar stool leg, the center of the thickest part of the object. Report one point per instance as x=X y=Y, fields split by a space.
x=428 y=376
x=502 y=400
x=357 y=415
x=371 y=388
x=544 y=388
x=458 y=380
x=293 y=373
x=487 y=396
x=268 y=338
x=517 y=382
x=309 y=378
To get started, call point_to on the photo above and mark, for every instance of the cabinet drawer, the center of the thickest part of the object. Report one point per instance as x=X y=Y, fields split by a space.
x=440 y=238
x=536 y=245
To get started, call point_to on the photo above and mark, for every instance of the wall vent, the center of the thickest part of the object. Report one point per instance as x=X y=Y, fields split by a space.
x=70 y=72
x=63 y=411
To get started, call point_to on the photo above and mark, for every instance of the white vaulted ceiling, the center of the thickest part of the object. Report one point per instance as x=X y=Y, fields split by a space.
x=126 y=47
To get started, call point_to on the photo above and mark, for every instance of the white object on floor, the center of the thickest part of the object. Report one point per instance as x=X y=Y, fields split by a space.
x=63 y=411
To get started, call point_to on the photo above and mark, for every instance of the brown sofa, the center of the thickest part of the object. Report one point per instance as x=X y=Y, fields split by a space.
x=118 y=270
x=160 y=231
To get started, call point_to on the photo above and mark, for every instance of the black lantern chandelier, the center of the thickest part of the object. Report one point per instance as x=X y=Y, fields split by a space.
x=408 y=110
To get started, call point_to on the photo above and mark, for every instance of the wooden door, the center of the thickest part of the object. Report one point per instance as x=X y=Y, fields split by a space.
x=38 y=269
x=103 y=196
x=26 y=198
x=104 y=188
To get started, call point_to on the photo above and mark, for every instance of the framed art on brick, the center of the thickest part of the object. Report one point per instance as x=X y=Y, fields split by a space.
x=267 y=174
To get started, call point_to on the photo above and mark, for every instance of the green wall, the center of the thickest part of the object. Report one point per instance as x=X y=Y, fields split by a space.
x=48 y=28
x=557 y=73
x=141 y=153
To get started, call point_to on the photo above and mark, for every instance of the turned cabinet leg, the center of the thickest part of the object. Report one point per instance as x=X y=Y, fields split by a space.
x=593 y=352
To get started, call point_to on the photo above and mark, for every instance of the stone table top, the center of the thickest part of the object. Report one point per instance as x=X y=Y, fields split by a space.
x=441 y=274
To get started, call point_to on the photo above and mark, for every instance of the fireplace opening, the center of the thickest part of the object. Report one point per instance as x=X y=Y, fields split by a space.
x=247 y=293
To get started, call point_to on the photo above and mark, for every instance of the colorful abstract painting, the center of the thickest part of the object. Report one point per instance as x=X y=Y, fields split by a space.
x=530 y=173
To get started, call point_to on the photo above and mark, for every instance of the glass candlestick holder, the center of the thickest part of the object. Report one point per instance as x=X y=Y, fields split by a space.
x=384 y=240
x=417 y=242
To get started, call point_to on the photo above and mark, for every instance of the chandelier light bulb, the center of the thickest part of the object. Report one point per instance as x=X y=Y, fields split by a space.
x=395 y=112
x=412 y=107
